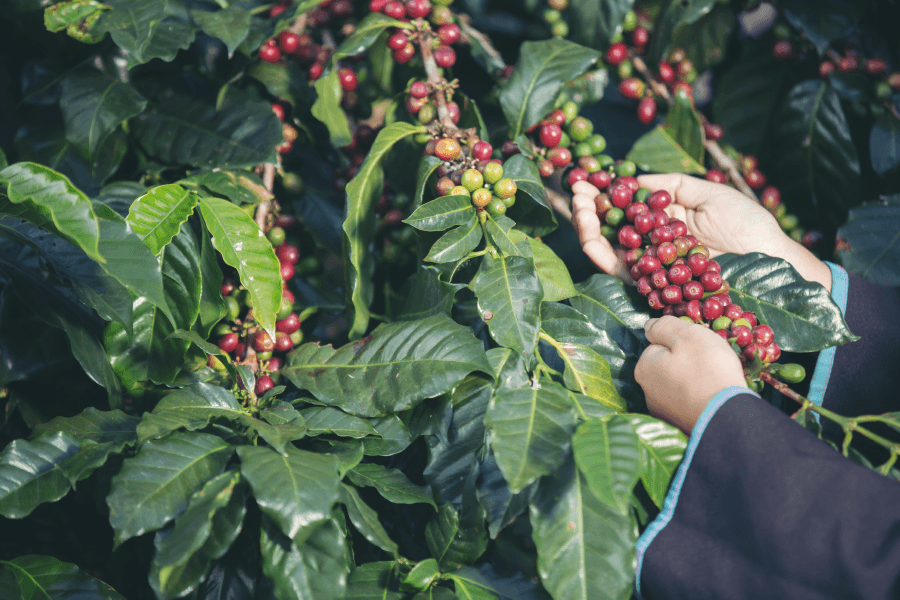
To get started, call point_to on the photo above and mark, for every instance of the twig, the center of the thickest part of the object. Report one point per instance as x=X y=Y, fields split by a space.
x=559 y=203
x=465 y=23
x=299 y=24
x=715 y=151
x=437 y=82
x=782 y=387
x=262 y=211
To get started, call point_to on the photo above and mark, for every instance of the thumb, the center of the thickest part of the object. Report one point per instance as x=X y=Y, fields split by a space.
x=687 y=191
x=666 y=331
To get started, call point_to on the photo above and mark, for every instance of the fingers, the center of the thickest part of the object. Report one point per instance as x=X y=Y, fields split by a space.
x=685 y=190
x=583 y=187
x=587 y=226
x=666 y=331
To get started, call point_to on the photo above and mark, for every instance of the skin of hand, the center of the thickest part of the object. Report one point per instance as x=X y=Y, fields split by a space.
x=721 y=218
x=683 y=369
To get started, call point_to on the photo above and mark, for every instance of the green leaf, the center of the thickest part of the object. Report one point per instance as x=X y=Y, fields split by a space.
x=658 y=152
x=428 y=295
x=325 y=419
x=705 y=40
x=422 y=576
x=151 y=353
x=815 y=158
x=594 y=24
x=156 y=485
x=184 y=131
x=553 y=273
x=684 y=125
x=285 y=80
x=608 y=454
x=48 y=199
x=212 y=302
x=157 y=216
x=206 y=529
x=73 y=13
x=231 y=25
x=540 y=73
x=239 y=186
x=531 y=212
x=467 y=590
x=750 y=92
x=31 y=473
x=678 y=14
x=366 y=522
x=518 y=586
x=872 y=243
x=393 y=369
x=451 y=544
x=611 y=307
x=291 y=15
x=662 y=448
x=243 y=246
x=296 y=491
x=141 y=31
x=456 y=244
x=530 y=430
x=363 y=192
x=365 y=34
x=509 y=300
x=822 y=21
x=501 y=505
x=392 y=484
x=372 y=581
x=313 y=570
x=393 y=437
x=586 y=549
x=94 y=105
x=428 y=165
x=327 y=109
x=587 y=372
x=443 y=213
x=36 y=577
x=803 y=314
x=499 y=231
x=884 y=144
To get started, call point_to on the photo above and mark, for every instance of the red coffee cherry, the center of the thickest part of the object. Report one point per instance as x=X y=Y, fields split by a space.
x=616 y=53
x=263 y=385
x=640 y=36
x=557 y=117
x=482 y=151
x=550 y=135
x=644 y=286
x=269 y=54
x=662 y=234
x=733 y=312
x=743 y=335
x=753 y=350
x=348 y=79
x=394 y=9
x=263 y=342
x=449 y=34
x=751 y=318
x=444 y=56
x=659 y=200
x=666 y=73
x=659 y=278
x=576 y=175
x=289 y=324
x=763 y=335
x=667 y=253
x=713 y=132
x=755 y=179
x=632 y=88
x=646 y=110
x=288 y=41
x=694 y=310
x=287 y=253
x=620 y=195
x=228 y=342
x=716 y=176
x=643 y=223
x=773 y=353
x=418 y=8
x=876 y=66
x=697 y=264
x=770 y=197
x=287 y=271
x=648 y=264
x=404 y=54
x=660 y=217
x=397 y=40
x=679 y=274
x=679 y=227
x=600 y=179
x=631 y=182
x=633 y=210
x=783 y=49
x=712 y=308
x=629 y=238
x=671 y=294
x=654 y=299
x=848 y=64
x=560 y=157
x=826 y=69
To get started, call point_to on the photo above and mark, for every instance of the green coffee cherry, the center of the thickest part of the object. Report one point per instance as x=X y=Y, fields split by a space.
x=508 y=202
x=614 y=216
x=580 y=129
x=459 y=190
x=791 y=373
x=582 y=149
x=232 y=308
x=570 y=109
x=472 y=179
x=721 y=323
x=276 y=236
x=496 y=207
x=606 y=160
x=641 y=195
x=493 y=173
x=626 y=168
x=284 y=309
x=222 y=329
x=597 y=143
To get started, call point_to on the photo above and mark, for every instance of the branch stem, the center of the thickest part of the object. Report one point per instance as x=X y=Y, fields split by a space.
x=436 y=81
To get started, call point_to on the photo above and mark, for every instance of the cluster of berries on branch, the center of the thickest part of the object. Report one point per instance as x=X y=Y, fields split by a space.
x=442 y=32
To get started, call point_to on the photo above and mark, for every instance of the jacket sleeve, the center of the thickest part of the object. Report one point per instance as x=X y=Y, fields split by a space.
x=761 y=508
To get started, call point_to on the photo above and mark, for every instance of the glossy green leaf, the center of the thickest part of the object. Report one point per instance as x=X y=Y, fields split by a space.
x=662 y=448
x=72 y=13
x=501 y=506
x=541 y=71
x=363 y=192
x=594 y=24
x=185 y=131
x=428 y=295
x=422 y=576
x=588 y=373
x=872 y=243
x=37 y=577
x=586 y=549
x=553 y=273
x=530 y=430
x=243 y=246
x=365 y=34
x=677 y=14
x=49 y=200
x=231 y=25
x=884 y=144
x=238 y=185
x=427 y=166
x=94 y=105
x=141 y=31
x=30 y=347
x=393 y=369
x=296 y=491
x=456 y=244
x=509 y=300
x=293 y=12
x=815 y=158
x=659 y=152
x=157 y=216
x=611 y=307
x=212 y=302
x=467 y=590
x=327 y=109
x=325 y=419
x=748 y=96
x=190 y=408
x=449 y=543
x=156 y=485
x=803 y=314
x=286 y=80
x=516 y=586
x=373 y=581
x=822 y=21
x=393 y=437
x=705 y=41
x=393 y=484
x=609 y=456
x=205 y=529
x=31 y=473
x=500 y=233
x=531 y=212
x=443 y=213
x=365 y=520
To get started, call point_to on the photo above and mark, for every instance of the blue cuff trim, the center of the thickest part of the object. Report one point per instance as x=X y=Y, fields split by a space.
x=675 y=489
x=822 y=372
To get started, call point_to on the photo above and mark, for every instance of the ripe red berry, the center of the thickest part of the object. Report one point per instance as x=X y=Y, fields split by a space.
x=633 y=210
x=773 y=353
x=315 y=71
x=660 y=217
x=631 y=182
x=643 y=223
x=616 y=53
x=550 y=135
x=712 y=308
x=510 y=148
x=713 y=132
x=654 y=299
x=640 y=36
x=679 y=228
x=394 y=9
x=644 y=286
x=659 y=278
x=397 y=40
x=692 y=290
x=288 y=41
x=274 y=364
x=263 y=385
x=376 y=6
x=557 y=117
x=270 y=54
x=240 y=351
x=635 y=272
x=667 y=253
x=418 y=89
x=629 y=238
x=694 y=310
x=753 y=350
x=671 y=294
x=287 y=253
x=576 y=175
x=263 y=342
x=713 y=267
x=418 y=8
x=228 y=286
x=453 y=111
x=826 y=69
x=482 y=151
x=559 y=156
x=600 y=179
x=666 y=72
x=755 y=179
x=620 y=195
x=659 y=200
x=751 y=318
x=348 y=79
x=660 y=235
x=449 y=34
x=228 y=342
x=698 y=264
x=876 y=66
x=287 y=271
x=646 y=110
x=632 y=256
x=783 y=49
x=649 y=264
x=743 y=335
x=763 y=335
x=712 y=282
x=283 y=342
x=733 y=312
x=716 y=176
x=770 y=197
x=546 y=169
x=444 y=56
x=679 y=274
x=632 y=88
x=848 y=64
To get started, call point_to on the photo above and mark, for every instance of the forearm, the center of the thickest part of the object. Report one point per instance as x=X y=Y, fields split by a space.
x=805 y=262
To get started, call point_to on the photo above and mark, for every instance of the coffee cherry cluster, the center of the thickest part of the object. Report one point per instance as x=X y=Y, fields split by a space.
x=553 y=16
x=421 y=103
x=469 y=170
x=288 y=131
x=401 y=41
x=674 y=272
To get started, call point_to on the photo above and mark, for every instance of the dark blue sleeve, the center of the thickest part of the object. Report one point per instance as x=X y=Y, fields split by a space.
x=761 y=508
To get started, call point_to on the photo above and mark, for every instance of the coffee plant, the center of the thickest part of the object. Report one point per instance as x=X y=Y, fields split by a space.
x=289 y=306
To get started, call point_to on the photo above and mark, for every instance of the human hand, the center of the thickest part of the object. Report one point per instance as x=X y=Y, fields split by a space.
x=683 y=369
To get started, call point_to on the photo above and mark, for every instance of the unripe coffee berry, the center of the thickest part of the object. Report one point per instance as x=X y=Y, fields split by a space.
x=614 y=216
x=721 y=323
x=472 y=179
x=447 y=149
x=459 y=190
x=482 y=197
